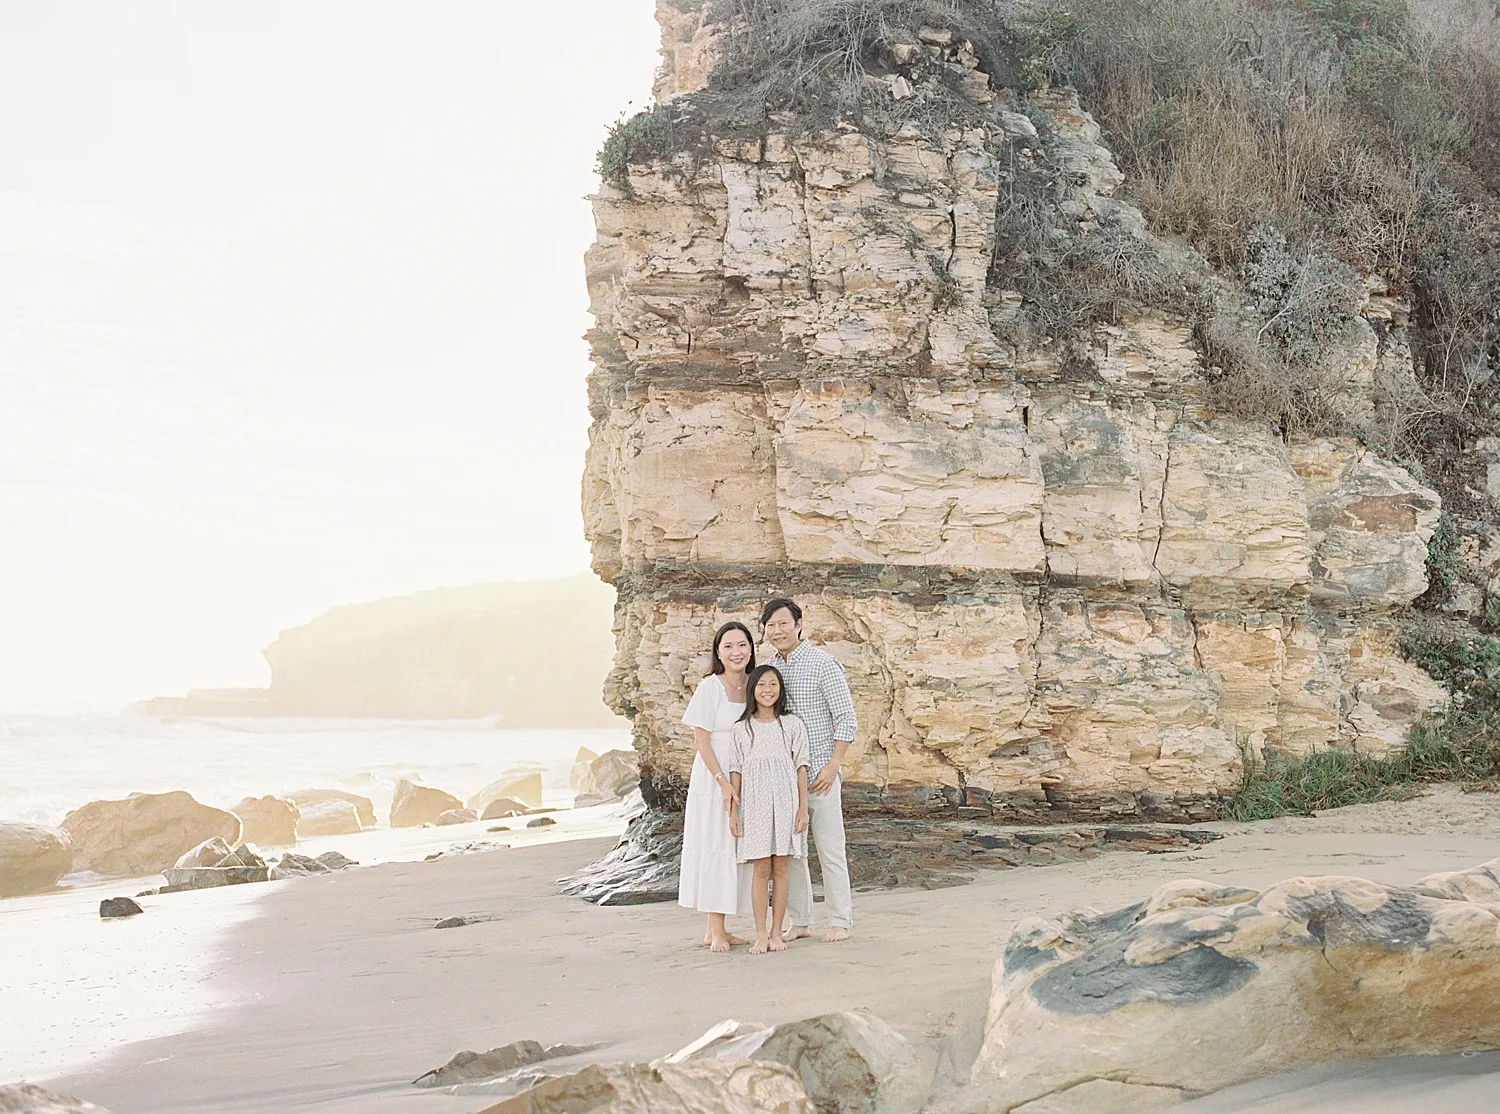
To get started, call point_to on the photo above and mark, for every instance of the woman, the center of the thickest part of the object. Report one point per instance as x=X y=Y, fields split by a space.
x=710 y=877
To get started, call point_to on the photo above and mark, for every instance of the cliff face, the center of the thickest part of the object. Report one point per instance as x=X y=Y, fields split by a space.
x=1059 y=586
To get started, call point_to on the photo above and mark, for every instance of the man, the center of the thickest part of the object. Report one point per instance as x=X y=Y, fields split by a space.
x=818 y=694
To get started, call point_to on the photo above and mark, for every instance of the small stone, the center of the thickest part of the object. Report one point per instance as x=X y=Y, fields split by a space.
x=461 y=921
x=335 y=860
x=935 y=36
x=541 y=822
x=498 y=828
x=434 y=855
x=112 y=907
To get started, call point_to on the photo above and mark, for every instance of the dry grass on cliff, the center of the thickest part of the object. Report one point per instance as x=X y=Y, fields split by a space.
x=1365 y=134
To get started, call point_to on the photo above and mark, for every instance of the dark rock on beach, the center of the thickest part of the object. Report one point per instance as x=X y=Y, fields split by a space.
x=469 y=1067
x=541 y=822
x=462 y=921
x=112 y=907
x=642 y=868
x=28 y=1098
x=32 y=858
x=335 y=860
x=293 y=865
x=883 y=854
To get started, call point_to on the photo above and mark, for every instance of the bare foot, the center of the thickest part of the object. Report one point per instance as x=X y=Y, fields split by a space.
x=797 y=932
x=835 y=936
x=777 y=944
x=736 y=941
x=761 y=946
x=719 y=944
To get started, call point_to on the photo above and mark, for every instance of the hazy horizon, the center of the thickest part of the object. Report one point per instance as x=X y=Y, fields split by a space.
x=293 y=298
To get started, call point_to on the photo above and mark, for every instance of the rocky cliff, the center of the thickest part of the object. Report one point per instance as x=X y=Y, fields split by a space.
x=530 y=653
x=1061 y=582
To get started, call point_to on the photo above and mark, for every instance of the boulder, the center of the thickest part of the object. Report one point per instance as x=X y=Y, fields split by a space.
x=112 y=907
x=144 y=833
x=613 y=774
x=209 y=877
x=526 y=788
x=541 y=822
x=363 y=806
x=581 y=763
x=328 y=818
x=717 y=1086
x=467 y=1067
x=32 y=858
x=849 y=1063
x=457 y=816
x=1163 y=993
x=292 y=865
x=28 y=1098
x=211 y=852
x=335 y=860
x=268 y=820
x=415 y=805
x=501 y=807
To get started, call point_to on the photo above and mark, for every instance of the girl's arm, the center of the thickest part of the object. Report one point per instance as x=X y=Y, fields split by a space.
x=734 y=810
x=711 y=761
x=801 y=823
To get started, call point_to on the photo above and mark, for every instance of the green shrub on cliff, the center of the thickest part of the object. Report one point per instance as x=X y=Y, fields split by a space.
x=635 y=139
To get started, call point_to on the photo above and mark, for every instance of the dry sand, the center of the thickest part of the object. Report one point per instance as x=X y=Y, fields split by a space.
x=352 y=993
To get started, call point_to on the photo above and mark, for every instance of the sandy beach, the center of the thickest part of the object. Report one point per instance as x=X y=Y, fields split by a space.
x=345 y=992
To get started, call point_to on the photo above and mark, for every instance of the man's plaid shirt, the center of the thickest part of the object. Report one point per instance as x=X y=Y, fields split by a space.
x=818 y=694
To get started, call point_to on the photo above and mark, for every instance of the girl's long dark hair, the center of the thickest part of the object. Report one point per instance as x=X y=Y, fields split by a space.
x=754 y=679
x=733 y=624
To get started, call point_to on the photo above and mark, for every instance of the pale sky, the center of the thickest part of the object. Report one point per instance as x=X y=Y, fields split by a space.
x=291 y=298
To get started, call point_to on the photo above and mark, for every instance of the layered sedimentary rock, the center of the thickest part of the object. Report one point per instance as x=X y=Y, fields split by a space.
x=1157 y=999
x=1058 y=585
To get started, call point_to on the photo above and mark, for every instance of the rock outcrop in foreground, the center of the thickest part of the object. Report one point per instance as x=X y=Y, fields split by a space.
x=1061 y=585
x=1201 y=986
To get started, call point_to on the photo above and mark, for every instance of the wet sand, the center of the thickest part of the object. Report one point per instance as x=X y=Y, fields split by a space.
x=346 y=993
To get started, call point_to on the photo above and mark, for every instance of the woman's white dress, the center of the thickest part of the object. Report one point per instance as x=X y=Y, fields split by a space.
x=711 y=877
x=767 y=756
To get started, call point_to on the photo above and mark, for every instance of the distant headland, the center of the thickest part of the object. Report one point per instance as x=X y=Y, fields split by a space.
x=534 y=653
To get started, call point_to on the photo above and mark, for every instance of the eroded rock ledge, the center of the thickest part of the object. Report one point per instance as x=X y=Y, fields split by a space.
x=1060 y=589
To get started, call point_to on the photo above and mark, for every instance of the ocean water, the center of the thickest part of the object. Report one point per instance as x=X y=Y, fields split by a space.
x=55 y=761
x=74 y=988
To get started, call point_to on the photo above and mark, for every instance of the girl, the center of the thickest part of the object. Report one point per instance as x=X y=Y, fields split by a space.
x=710 y=880
x=768 y=772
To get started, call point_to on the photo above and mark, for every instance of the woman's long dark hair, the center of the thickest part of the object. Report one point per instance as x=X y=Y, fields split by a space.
x=733 y=624
x=754 y=679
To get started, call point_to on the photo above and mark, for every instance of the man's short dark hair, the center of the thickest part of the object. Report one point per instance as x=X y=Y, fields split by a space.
x=773 y=606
